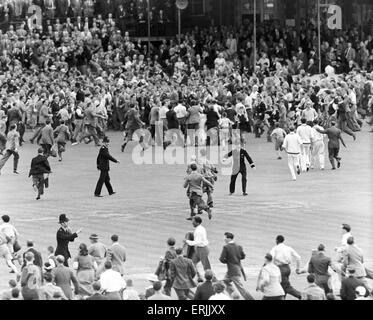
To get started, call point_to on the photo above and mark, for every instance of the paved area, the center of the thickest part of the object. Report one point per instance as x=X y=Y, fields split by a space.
x=150 y=206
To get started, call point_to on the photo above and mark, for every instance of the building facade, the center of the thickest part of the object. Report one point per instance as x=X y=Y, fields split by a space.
x=290 y=12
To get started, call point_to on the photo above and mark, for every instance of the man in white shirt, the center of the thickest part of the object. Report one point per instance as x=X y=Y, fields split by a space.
x=304 y=131
x=318 y=146
x=200 y=243
x=292 y=144
x=181 y=114
x=10 y=232
x=283 y=255
x=112 y=282
x=309 y=113
x=219 y=292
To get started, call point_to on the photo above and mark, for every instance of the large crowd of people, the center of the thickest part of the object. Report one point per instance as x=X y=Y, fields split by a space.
x=81 y=76
x=98 y=270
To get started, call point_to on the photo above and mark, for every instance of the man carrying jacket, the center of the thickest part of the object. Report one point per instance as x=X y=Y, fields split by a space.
x=232 y=255
x=103 y=159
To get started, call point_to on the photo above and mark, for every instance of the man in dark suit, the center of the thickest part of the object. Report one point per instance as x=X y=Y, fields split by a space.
x=64 y=236
x=38 y=261
x=318 y=266
x=232 y=255
x=97 y=295
x=205 y=290
x=103 y=159
x=239 y=155
x=39 y=167
x=182 y=272
x=349 y=285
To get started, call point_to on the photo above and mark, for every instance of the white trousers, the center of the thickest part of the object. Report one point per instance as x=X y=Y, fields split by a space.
x=293 y=163
x=305 y=156
x=318 y=154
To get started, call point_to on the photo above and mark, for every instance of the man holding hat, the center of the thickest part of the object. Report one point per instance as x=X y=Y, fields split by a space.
x=103 y=159
x=39 y=167
x=64 y=236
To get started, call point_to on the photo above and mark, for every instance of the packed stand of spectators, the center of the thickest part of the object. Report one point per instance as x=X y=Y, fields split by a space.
x=125 y=14
x=90 y=74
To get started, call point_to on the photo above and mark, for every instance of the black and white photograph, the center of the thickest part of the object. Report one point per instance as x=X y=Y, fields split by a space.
x=201 y=150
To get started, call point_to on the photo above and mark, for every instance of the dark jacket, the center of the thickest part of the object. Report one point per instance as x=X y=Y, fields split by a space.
x=38 y=260
x=204 y=291
x=348 y=287
x=232 y=255
x=39 y=165
x=239 y=160
x=182 y=273
x=63 y=239
x=212 y=120
x=103 y=159
x=172 y=121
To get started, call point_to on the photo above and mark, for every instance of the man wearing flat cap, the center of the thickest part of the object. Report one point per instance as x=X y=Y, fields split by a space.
x=64 y=236
x=98 y=251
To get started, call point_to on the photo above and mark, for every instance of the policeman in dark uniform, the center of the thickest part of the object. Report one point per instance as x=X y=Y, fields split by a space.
x=239 y=166
x=64 y=236
x=103 y=159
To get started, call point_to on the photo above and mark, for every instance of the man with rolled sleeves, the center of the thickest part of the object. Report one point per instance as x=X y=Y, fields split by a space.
x=64 y=236
x=282 y=257
x=200 y=243
x=103 y=166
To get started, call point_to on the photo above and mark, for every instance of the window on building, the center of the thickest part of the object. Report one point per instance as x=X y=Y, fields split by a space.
x=198 y=7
